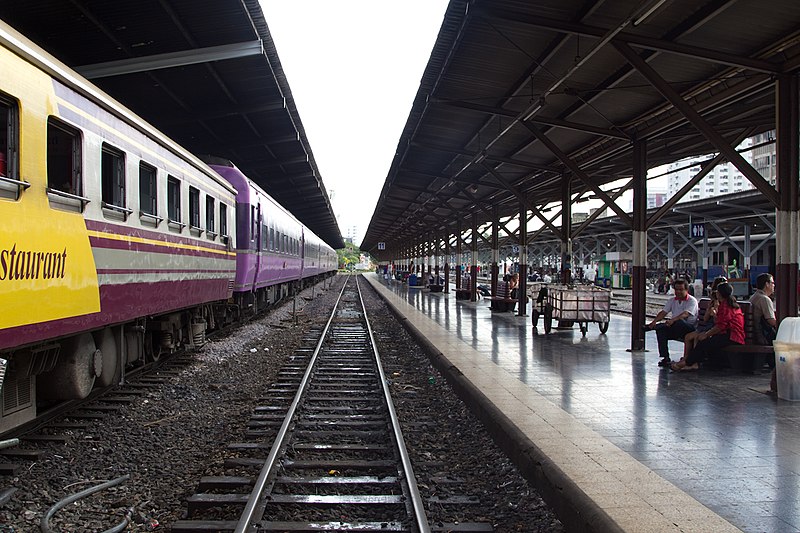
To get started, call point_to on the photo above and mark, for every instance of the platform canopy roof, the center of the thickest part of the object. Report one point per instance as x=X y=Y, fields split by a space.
x=520 y=97
x=205 y=72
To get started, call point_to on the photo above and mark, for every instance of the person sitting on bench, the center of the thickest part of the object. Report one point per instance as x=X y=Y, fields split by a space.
x=690 y=340
x=682 y=311
x=728 y=329
x=513 y=287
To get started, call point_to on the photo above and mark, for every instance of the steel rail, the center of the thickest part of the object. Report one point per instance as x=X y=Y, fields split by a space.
x=411 y=480
x=244 y=524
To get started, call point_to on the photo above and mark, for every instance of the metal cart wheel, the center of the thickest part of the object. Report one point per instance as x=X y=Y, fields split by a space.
x=548 y=318
x=535 y=317
x=603 y=326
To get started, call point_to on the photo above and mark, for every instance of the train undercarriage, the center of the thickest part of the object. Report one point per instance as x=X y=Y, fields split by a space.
x=71 y=368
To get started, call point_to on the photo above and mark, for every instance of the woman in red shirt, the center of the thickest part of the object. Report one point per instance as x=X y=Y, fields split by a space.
x=728 y=329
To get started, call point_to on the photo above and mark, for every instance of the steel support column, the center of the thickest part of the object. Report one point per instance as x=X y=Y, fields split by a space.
x=446 y=261
x=787 y=226
x=523 y=259
x=423 y=259
x=495 y=248
x=458 y=254
x=566 y=230
x=670 y=252
x=473 y=277
x=639 y=269
x=437 y=250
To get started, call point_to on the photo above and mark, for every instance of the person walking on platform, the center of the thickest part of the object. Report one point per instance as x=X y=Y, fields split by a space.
x=680 y=313
x=728 y=329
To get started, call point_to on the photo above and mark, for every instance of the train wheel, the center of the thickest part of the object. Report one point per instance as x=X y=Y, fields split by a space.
x=603 y=326
x=548 y=318
x=153 y=346
x=79 y=364
x=107 y=344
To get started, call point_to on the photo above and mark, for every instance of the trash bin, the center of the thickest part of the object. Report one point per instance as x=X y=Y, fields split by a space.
x=787 y=359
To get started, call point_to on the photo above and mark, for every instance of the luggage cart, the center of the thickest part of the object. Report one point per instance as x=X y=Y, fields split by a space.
x=583 y=305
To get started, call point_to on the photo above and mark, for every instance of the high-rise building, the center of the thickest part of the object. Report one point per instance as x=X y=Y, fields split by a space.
x=725 y=178
x=351 y=234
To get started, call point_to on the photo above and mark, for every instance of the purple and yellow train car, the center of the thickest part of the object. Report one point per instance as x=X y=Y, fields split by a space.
x=115 y=242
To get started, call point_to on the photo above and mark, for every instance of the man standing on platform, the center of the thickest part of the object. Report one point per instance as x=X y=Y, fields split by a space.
x=682 y=312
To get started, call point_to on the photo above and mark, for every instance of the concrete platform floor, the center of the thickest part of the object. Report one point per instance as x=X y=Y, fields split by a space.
x=652 y=449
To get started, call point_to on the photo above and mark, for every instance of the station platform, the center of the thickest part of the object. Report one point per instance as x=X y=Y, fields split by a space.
x=612 y=441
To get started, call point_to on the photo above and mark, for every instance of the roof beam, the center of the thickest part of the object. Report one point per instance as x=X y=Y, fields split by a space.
x=171 y=60
x=523 y=200
x=220 y=111
x=573 y=166
x=640 y=41
x=480 y=156
x=272 y=163
x=555 y=122
x=697 y=120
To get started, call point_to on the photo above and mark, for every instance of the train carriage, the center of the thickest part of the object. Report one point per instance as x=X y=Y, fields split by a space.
x=113 y=238
x=116 y=244
x=275 y=252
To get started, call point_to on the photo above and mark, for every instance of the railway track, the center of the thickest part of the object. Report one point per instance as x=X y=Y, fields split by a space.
x=327 y=446
x=622 y=303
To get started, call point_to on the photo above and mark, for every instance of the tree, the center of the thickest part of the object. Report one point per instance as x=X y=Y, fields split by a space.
x=349 y=256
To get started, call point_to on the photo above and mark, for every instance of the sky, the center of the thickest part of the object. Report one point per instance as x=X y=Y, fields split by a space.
x=354 y=68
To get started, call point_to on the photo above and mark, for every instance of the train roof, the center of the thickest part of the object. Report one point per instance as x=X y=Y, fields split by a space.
x=25 y=48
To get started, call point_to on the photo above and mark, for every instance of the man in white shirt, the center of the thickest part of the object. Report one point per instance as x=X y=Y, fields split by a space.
x=680 y=313
x=763 y=307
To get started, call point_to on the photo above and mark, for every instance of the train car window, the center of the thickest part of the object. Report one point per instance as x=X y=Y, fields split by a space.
x=263 y=243
x=194 y=207
x=63 y=158
x=10 y=187
x=253 y=222
x=113 y=176
x=223 y=219
x=210 y=226
x=148 y=192
x=173 y=199
x=272 y=239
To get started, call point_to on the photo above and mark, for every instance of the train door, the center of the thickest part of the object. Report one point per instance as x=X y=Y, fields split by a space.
x=258 y=237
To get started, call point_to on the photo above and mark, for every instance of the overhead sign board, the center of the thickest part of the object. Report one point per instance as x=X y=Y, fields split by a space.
x=697 y=230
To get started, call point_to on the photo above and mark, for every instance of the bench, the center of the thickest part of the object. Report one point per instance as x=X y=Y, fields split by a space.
x=749 y=356
x=465 y=292
x=435 y=287
x=502 y=300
